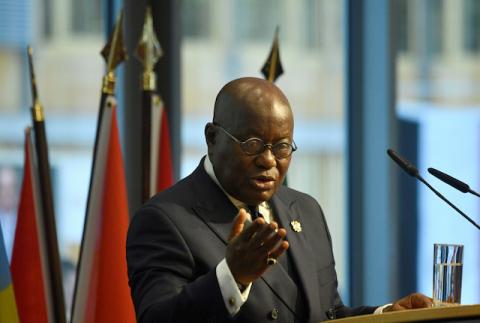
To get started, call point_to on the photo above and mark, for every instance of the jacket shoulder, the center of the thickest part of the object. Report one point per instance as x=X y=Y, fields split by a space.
x=290 y=195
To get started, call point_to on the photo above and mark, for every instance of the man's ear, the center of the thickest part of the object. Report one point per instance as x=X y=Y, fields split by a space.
x=210 y=134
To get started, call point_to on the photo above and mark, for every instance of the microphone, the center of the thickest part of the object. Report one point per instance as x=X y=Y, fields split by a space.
x=408 y=167
x=403 y=163
x=452 y=181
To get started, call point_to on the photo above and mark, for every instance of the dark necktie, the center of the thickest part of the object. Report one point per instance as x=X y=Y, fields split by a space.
x=254 y=213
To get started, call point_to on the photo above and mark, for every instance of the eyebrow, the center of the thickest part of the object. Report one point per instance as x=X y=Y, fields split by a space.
x=282 y=140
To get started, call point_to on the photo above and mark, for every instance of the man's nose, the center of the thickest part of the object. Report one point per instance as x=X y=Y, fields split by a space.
x=267 y=159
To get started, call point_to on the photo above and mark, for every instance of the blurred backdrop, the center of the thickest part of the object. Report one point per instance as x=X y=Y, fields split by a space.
x=435 y=51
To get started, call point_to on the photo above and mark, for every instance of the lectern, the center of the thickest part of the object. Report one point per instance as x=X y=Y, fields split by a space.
x=451 y=314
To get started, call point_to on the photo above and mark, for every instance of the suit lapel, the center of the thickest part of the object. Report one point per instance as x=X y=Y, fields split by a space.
x=220 y=221
x=299 y=248
x=212 y=205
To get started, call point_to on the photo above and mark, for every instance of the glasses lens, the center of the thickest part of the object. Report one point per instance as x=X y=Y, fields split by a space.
x=282 y=150
x=252 y=146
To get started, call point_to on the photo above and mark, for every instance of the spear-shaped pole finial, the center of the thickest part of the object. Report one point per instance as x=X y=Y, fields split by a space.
x=272 y=68
x=148 y=52
x=114 y=53
x=37 y=109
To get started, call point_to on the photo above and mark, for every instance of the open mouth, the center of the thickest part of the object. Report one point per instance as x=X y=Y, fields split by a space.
x=263 y=182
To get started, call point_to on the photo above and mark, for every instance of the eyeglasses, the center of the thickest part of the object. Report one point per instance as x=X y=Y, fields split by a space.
x=255 y=146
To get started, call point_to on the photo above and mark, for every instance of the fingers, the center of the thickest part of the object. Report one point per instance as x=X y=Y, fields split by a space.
x=260 y=237
x=411 y=301
x=279 y=250
x=238 y=224
x=272 y=242
x=251 y=245
x=263 y=235
x=254 y=228
x=421 y=301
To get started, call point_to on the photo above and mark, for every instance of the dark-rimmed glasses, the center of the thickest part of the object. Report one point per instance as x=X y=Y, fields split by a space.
x=255 y=146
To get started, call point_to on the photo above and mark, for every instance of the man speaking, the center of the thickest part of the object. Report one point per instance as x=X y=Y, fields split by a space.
x=229 y=243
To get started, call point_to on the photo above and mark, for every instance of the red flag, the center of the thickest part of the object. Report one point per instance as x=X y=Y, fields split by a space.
x=29 y=264
x=165 y=171
x=103 y=294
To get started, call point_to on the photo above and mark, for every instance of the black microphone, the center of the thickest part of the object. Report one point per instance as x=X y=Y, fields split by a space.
x=413 y=171
x=403 y=163
x=452 y=181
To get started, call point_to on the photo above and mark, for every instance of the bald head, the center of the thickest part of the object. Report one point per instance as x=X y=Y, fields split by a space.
x=246 y=96
x=245 y=109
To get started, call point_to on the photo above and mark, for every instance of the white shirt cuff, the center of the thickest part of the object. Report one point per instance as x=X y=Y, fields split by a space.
x=380 y=309
x=232 y=296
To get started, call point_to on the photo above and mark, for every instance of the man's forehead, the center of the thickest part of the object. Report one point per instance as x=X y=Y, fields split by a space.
x=251 y=104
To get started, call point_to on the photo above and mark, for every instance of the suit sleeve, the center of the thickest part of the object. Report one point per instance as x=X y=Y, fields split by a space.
x=162 y=278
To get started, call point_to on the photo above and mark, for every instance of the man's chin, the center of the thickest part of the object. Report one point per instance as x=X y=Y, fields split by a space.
x=252 y=195
x=260 y=197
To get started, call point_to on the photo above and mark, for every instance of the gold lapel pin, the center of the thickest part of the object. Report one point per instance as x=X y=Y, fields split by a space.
x=296 y=226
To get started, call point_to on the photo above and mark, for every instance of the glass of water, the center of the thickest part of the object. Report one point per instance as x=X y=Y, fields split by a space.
x=447 y=274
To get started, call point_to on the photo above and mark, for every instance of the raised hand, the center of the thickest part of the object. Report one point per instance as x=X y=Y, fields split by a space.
x=250 y=247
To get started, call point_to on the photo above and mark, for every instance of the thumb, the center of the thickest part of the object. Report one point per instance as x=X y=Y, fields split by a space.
x=238 y=224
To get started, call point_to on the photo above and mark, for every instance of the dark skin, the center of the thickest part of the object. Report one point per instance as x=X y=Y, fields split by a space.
x=250 y=108
x=409 y=302
x=246 y=108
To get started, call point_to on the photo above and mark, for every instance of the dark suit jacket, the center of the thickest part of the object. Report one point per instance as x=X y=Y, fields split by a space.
x=176 y=240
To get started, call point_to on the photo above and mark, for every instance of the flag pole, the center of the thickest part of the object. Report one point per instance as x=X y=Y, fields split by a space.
x=114 y=53
x=148 y=53
x=48 y=213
